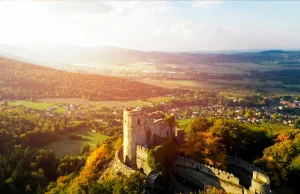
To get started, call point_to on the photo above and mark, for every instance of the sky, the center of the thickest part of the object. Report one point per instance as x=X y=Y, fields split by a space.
x=153 y=25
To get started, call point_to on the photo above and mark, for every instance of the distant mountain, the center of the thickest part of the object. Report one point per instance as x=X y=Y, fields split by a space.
x=108 y=55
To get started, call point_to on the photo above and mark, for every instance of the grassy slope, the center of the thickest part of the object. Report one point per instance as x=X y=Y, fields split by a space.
x=29 y=104
x=183 y=123
x=65 y=146
x=43 y=104
x=19 y=80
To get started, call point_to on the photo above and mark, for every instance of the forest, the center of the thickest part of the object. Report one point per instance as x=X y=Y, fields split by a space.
x=271 y=147
x=25 y=167
x=20 y=80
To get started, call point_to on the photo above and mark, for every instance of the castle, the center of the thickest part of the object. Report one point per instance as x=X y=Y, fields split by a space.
x=142 y=132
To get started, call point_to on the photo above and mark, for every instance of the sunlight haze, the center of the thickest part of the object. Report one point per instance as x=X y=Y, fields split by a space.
x=153 y=25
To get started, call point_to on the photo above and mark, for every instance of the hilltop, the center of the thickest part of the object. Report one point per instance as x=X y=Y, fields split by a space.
x=19 y=80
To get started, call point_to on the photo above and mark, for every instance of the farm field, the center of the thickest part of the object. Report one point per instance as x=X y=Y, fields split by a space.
x=237 y=68
x=181 y=84
x=110 y=104
x=66 y=101
x=60 y=110
x=219 y=68
x=183 y=123
x=159 y=99
x=64 y=146
x=139 y=66
x=43 y=104
x=30 y=104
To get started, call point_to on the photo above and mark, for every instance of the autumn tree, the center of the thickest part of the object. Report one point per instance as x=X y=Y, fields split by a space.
x=205 y=148
x=239 y=140
x=199 y=124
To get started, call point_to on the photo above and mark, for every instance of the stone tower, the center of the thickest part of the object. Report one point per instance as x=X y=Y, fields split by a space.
x=134 y=133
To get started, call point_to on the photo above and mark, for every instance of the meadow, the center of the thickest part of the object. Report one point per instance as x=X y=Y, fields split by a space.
x=111 y=104
x=183 y=123
x=64 y=146
x=181 y=84
x=108 y=104
x=66 y=101
x=45 y=103
x=36 y=105
x=159 y=99
x=30 y=104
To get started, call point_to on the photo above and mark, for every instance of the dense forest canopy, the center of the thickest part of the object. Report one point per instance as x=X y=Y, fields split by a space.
x=20 y=80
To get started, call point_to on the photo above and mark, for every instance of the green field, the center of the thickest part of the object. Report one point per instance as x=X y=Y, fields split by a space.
x=121 y=103
x=159 y=99
x=60 y=110
x=183 y=123
x=108 y=104
x=135 y=67
x=29 y=104
x=36 y=105
x=181 y=83
x=67 y=101
x=64 y=146
x=43 y=104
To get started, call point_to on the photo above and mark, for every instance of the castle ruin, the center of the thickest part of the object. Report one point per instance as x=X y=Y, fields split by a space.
x=144 y=131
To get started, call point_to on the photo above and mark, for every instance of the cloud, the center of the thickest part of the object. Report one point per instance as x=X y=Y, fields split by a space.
x=206 y=4
x=77 y=7
x=157 y=32
x=139 y=9
x=182 y=28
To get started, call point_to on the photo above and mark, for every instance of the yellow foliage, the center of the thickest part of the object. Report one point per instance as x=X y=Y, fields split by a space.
x=61 y=180
x=118 y=143
x=204 y=147
x=282 y=137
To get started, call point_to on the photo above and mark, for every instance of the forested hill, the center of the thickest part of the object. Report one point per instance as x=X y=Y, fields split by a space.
x=19 y=80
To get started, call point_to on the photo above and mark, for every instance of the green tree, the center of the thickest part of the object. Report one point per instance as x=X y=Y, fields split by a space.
x=199 y=124
x=161 y=156
x=85 y=149
x=297 y=123
x=5 y=103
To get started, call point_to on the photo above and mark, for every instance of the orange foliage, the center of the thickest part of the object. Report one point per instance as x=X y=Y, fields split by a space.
x=118 y=143
x=61 y=180
x=204 y=147
x=91 y=169
x=282 y=137
x=212 y=190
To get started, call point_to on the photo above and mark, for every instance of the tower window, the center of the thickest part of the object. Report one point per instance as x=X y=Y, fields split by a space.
x=138 y=122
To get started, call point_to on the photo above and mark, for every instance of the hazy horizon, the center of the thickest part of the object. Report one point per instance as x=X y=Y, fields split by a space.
x=35 y=47
x=179 y=26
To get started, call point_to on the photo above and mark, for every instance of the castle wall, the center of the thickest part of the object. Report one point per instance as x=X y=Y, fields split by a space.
x=242 y=164
x=141 y=159
x=251 y=176
x=119 y=166
x=159 y=129
x=180 y=136
x=260 y=183
x=201 y=175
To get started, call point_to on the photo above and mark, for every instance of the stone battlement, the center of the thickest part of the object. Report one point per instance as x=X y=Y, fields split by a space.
x=243 y=164
x=140 y=148
x=119 y=165
x=261 y=178
x=207 y=170
x=141 y=159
